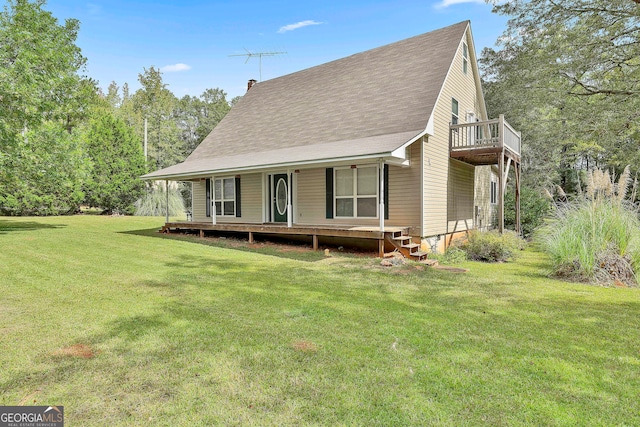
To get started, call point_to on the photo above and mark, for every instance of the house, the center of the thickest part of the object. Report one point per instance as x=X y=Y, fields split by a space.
x=392 y=144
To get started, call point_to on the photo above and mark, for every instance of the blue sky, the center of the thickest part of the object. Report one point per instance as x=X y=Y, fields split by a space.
x=191 y=40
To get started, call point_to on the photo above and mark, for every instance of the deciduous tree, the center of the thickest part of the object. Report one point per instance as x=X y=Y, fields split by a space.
x=567 y=73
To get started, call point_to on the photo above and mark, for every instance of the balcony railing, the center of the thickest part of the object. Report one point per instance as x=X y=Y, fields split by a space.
x=495 y=133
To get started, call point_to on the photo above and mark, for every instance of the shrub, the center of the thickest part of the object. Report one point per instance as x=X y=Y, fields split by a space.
x=491 y=246
x=595 y=238
x=154 y=202
x=534 y=207
x=42 y=172
x=118 y=162
x=453 y=255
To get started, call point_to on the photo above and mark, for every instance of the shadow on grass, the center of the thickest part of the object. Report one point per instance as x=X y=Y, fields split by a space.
x=9 y=226
x=296 y=251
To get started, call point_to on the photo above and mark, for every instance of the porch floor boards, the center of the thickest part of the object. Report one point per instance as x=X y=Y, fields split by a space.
x=357 y=232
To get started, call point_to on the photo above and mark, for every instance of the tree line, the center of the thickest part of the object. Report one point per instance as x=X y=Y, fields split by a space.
x=566 y=73
x=65 y=143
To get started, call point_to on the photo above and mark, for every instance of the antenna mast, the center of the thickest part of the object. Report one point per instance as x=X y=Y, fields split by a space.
x=250 y=55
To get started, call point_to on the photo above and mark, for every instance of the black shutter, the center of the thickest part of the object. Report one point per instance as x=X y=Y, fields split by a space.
x=238 y=198
x=329 y=192
x=386 y=191
x=208 y=207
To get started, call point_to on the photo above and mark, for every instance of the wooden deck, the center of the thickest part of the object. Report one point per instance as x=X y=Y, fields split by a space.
x=368 y=233
x=483 y=143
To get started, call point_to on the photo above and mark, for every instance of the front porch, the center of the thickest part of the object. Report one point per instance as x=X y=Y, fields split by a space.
x=387 y=238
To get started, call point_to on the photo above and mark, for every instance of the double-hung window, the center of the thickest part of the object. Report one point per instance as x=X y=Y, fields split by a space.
x=225 y=196
x=356 y=192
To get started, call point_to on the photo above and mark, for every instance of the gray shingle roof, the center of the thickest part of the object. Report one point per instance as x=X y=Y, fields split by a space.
x=368 y=103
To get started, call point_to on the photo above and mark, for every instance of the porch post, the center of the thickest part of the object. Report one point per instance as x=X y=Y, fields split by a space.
x=166 y=187
x=213 y=200
x=381 y=209
x=501 y=188
x=518 y=171
x=289 y=204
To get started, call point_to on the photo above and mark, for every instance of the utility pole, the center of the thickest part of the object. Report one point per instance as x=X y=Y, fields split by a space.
x=145 y=139
x=250 y=55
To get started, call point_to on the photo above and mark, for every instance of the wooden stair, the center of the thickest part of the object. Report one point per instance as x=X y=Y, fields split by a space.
x=405 y=245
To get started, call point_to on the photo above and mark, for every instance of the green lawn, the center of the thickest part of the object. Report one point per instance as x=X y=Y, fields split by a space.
x=185 y=333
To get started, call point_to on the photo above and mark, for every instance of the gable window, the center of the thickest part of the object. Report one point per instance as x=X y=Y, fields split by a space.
x=454 y=111
x=494 y=191
x=356 y=192
x=225 y=196
x=465 y=57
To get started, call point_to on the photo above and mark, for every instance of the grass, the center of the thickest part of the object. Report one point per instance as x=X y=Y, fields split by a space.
x=123 y=326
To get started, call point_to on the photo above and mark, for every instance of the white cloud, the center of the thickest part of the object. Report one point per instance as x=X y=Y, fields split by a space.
x=175 y=67
x=447 y=3
x=297 y=25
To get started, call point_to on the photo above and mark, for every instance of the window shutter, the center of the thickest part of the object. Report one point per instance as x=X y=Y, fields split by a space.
x=329 y=193
x=238 y=198
x=208 y=207
x=386 y=191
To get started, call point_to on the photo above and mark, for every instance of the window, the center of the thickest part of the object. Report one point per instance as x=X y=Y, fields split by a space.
x=454 y=111
x=356 y=192
x=494 y=191
x=225 y=196
x=465 y=58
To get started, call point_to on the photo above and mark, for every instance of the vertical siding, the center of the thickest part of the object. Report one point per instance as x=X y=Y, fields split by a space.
x=251 y=200
x=437 y=163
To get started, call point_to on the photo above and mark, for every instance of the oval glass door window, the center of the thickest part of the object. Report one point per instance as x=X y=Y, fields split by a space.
x=281 y=196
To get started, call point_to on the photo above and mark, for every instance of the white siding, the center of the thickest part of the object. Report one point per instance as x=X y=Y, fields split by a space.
x=437 y=164
x=404 y=196
x=485 y=218
x=460 y=197
x=250 y=203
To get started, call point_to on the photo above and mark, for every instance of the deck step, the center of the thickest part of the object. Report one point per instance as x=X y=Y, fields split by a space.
x=402 y=238
x=420 y=255
x=411 y=245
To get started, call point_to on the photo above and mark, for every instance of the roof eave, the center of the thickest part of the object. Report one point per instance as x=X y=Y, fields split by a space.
x=390 y=156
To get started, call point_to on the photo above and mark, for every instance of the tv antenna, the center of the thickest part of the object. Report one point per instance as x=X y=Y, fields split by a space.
x=250 y=55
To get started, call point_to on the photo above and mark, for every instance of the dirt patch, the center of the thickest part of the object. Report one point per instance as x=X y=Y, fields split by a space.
x=304 y=346
x=82 y=351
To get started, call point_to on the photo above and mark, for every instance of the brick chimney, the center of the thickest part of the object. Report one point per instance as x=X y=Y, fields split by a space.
x=251 y=83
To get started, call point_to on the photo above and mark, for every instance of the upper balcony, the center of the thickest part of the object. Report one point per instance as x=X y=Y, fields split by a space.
x=482 y=143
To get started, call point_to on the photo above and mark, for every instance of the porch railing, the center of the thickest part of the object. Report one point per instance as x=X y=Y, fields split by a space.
x=496 y=133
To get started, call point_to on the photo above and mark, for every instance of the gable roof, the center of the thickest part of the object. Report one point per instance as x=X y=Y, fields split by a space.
x=369 y=103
